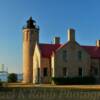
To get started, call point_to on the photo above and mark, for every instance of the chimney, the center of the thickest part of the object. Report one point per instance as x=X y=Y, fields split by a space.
x=71 y=35
x=98 y=43
x=56 y=40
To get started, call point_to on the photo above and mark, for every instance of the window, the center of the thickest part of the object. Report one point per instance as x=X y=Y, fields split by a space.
x=45 y=72
x=30 y=37
x=64 y=71
x=80 y=71
x=38 y=71
x=64 y=55
x=95 y=71
x=79 y=55
x=26 y=36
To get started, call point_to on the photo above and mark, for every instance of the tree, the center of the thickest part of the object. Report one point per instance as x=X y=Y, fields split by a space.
x=12 y=77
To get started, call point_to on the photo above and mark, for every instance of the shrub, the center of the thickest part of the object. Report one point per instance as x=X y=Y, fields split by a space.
x=74 y=80
x=0 y=83
x=12 y=77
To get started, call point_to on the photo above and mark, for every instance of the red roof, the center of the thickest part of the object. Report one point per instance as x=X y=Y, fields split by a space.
x=47 y=49
x=93 y=51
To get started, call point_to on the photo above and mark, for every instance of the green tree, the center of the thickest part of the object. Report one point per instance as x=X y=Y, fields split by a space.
x=12 y=77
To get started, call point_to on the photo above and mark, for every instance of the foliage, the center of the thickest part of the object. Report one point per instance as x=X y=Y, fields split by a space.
x=74 y=80
x=12 y=77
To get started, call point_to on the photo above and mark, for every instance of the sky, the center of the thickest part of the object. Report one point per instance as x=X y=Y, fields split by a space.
x=54 y=18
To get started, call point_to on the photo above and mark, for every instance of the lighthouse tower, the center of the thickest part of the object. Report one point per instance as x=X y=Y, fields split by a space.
x=30 y=38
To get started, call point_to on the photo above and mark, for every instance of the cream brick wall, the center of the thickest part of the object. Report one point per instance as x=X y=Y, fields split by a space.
x=96 y=64
x=72 y=64
x=36 y=65
x=46 y=63
x=53 y=61
x=40 y=62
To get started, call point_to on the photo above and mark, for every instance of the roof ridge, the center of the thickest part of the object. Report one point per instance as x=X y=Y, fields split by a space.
x=89 y=45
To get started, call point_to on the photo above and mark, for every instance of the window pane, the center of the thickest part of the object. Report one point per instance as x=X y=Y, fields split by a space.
x=79 y=55
x=80 y=71
x=64 y=71
x=96 y=71
x=38 y=71
x=64 y=55
x=45 y=72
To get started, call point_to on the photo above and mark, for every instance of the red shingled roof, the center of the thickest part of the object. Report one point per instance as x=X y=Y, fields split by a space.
x=47 y=49
x=93 y=51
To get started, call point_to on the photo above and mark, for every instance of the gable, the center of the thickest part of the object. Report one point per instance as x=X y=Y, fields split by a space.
x=36 y=51
x=47 y=49
x=72 y=50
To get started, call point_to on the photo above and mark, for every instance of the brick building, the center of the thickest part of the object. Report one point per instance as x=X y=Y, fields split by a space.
x=42 y=61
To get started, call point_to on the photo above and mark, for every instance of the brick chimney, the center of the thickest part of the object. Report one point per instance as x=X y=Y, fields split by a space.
x=71 y=35
x=98 y=43
x=56 y=40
